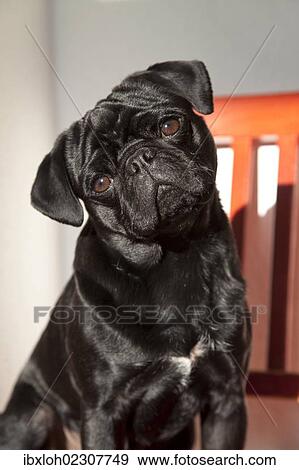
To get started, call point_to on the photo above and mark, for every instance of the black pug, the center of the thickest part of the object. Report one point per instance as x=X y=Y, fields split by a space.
x=157 y=327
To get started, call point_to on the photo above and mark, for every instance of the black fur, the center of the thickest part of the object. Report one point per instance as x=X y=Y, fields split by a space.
x=159 y=329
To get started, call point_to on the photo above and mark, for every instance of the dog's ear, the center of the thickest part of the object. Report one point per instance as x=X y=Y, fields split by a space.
x=52 y=192
x=189 y=79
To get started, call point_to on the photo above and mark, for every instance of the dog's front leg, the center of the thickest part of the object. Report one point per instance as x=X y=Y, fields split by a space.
x=97 y=429
x=222 y=408
x=223 y=422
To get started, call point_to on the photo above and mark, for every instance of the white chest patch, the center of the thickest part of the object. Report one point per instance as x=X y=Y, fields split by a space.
x=185 y=363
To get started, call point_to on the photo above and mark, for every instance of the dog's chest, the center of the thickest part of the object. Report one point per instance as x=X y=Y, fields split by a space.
x=170 y=369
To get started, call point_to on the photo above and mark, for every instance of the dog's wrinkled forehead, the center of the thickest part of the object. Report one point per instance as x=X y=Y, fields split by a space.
x=131 y=101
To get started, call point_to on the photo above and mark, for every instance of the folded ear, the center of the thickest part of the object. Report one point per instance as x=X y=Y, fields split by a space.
x=52 y=192
x=189 y=79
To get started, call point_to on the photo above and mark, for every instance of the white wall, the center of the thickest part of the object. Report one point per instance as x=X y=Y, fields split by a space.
x=98 y=42
x=29 y=270
x=93 y=45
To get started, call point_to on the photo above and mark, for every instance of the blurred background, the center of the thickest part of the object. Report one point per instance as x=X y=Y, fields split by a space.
x=60 y=52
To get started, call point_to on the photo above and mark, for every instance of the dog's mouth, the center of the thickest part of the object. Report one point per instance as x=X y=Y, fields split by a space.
x=173 y=203
x=170 y=211
x=176 y=209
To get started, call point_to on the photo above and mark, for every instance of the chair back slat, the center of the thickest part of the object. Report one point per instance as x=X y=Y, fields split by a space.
x=267 y=243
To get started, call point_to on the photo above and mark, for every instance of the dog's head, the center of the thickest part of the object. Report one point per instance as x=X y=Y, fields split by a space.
x=142 y=161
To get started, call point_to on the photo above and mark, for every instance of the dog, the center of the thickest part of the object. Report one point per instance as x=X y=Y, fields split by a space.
x=158 y=329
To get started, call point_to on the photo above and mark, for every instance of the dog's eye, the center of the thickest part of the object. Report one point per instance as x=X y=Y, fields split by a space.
x=102 y=184
x=170 y=127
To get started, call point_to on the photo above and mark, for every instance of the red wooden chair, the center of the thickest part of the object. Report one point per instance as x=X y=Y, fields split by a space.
x=268 y=246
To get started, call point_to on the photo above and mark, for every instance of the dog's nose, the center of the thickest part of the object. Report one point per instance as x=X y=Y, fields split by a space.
x=139 y=160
